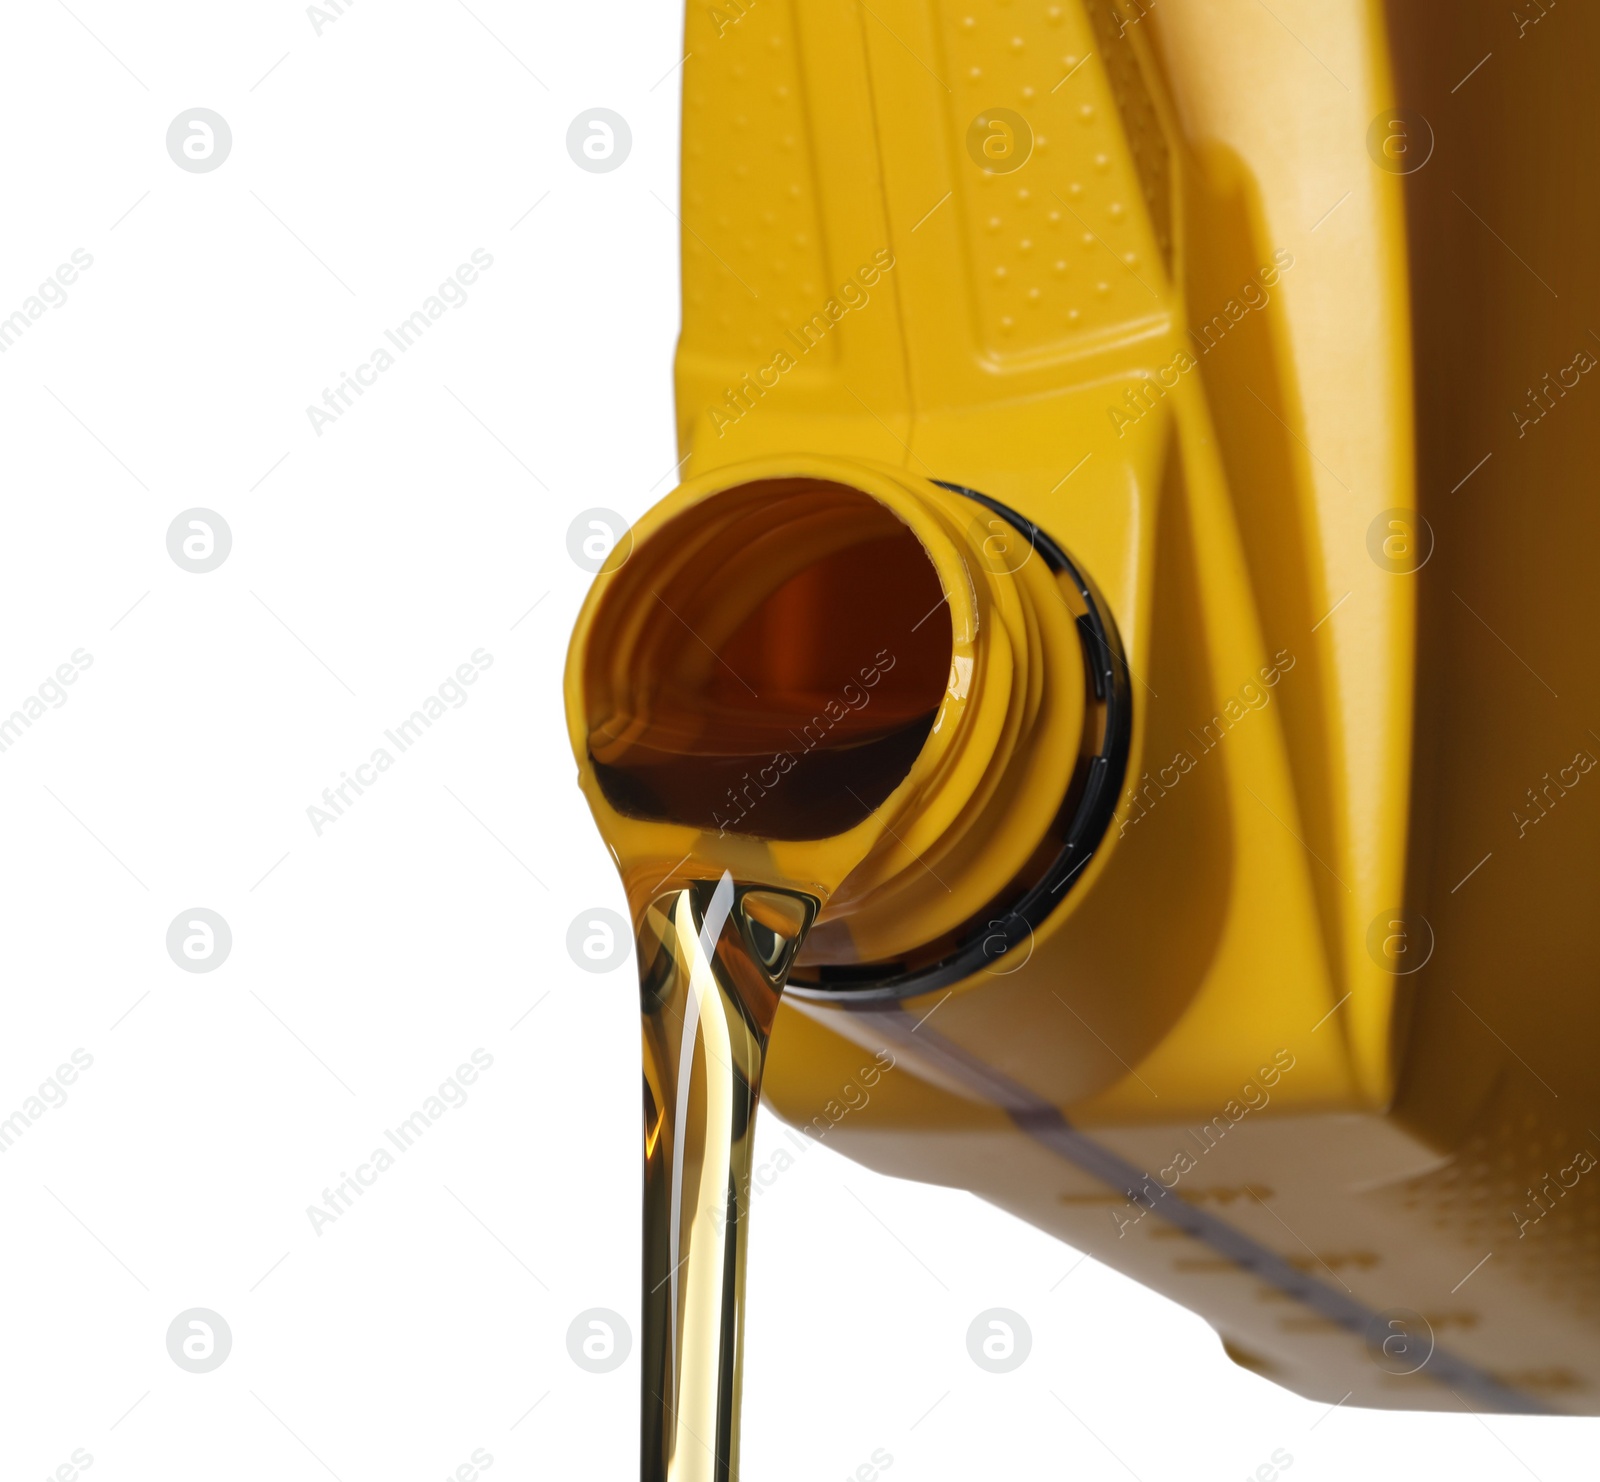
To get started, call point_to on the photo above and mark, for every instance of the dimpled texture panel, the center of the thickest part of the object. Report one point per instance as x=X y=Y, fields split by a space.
x=1062 y=248
x=1152 y=157
x=753 y=264
x=1518 y=1187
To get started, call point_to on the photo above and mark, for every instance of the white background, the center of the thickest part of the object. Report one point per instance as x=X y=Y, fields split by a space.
x=430 y=920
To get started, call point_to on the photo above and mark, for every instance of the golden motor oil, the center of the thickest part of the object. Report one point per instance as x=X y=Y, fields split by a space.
x=1118 y=652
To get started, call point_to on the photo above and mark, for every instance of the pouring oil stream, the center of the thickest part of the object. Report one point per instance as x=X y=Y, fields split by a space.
x=713 y=958
x=762 y=695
